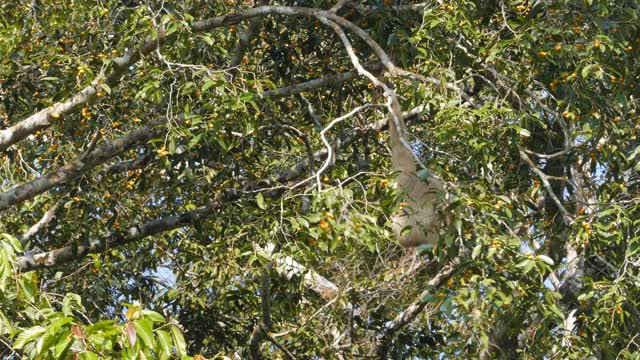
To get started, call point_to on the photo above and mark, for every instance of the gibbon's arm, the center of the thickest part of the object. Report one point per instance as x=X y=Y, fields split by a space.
x=416 y=222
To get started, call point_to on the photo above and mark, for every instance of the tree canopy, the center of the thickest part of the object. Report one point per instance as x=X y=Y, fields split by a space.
x=211 y=179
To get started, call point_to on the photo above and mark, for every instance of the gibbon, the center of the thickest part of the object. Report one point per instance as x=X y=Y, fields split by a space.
x=416 y=222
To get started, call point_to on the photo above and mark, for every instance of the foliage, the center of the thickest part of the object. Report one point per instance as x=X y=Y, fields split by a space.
x=50 y=326
x=526 y=110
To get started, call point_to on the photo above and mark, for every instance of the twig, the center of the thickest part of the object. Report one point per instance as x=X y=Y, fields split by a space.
x=545 y=181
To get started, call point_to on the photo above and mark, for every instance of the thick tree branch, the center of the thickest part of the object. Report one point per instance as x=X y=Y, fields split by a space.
x=74 y=252
x=288 y=267
x=261 y=330
x=79 y=165
x=263 y=327
x=42 y=119
x=245 y=40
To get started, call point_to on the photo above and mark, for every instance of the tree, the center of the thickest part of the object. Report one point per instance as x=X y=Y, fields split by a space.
x=211 y=179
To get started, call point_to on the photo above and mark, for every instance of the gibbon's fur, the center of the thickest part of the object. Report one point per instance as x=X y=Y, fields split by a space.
x=416 y=222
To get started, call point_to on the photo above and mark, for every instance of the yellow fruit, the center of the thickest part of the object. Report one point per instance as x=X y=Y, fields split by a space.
x=324 y=225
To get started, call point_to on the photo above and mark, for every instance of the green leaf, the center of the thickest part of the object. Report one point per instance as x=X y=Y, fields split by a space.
x=585 y=71
x=303 y=222
x=194 y=141
x=430 y=298
x=207 y=39
x=165 y=341
x=144 y=330
x=423 y=174
x=260 y=201
x=248 y=96
x=525 y=132
x=27 y=336
x=106 y=88
x=88 y=355
x=425 y=248
x=178 y=340
x=545 y=259
x=208 y=84
x=447 y=305
x=476 y=251
x=13 y=241
x=62 y=347
x=153 y=316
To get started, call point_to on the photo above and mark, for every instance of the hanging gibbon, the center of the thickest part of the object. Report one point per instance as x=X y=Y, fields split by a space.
x=417 y=221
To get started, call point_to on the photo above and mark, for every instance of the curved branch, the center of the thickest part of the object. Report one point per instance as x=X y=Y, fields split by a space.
x=79 y=165
x=416 y=307
x=245 y=39
x=46 y=219
x=545 y=181
x=42 y=119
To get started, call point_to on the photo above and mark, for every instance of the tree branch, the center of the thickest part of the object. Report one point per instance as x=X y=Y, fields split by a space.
x=288 y=267
x=245 y=40
x=262 y=328
x=329 y=80
x=46 y=219
x=545 y=181
x=79 y=165
x=418 y=305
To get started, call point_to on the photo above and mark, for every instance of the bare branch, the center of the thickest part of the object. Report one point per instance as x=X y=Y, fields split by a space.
x=46 y=219
x=245 y=40
x=549 y=156
x=329 y=80
x=328 y=146
x=545 y=181
x=341 y=3
x=262 y=328
x=288 y=267
x=79 y=165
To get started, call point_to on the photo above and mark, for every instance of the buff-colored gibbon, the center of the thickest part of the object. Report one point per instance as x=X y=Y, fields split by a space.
x=417 y=221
